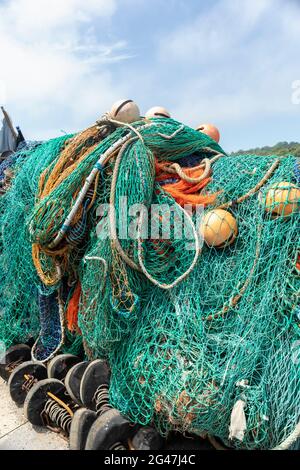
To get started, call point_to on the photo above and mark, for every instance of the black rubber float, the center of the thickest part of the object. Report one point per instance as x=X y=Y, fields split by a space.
x=37 y=398
x=73 y=380
x=12 y=358
x=59 y=366
x=95 y=378
x=146 y=438
x=23 y=378
x=81 y=424
x=111 y=431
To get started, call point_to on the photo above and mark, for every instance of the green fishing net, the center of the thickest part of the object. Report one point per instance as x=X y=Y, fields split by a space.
x=19 y=283
x=227 y=334
x=192 y=335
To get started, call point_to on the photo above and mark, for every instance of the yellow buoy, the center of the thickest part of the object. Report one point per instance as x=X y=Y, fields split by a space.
x=218 y=228
x=126 y=111
x=282 y=199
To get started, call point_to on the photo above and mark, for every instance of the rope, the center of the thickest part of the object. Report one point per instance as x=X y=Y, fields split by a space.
x=112 y=214
x=61 y=403
x=116 y=244
x=256 y=188
x=289 y=441
x=88 y=182
x=126 y=124
x=175 y=168
x=189 y=270
x=233 y=302
x=174 y=134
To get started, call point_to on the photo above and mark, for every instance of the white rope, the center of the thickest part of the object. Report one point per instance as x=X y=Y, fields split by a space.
x=88 y=182
x=125 y=124
x=289 y=441
x=187 y=272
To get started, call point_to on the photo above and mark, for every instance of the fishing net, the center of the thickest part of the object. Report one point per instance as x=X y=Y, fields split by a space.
x=196 y=336
x=19 y=283
x=186 y=356
x=229 y=332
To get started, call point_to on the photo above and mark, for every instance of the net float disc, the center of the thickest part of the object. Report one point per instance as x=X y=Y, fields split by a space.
x=157 y=112
x=210 y=130
x=13 y=357
x=282 y=199
x=126 y=111
x=38 y=396
x=73 y=380
x=80 y=427
x=96 y=374
x=23 y=378
x=218 y=228
x=111 y=431
x=59 y=366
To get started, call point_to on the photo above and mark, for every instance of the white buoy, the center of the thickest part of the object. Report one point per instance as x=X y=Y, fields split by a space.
x=157 y=112
x=126 y=111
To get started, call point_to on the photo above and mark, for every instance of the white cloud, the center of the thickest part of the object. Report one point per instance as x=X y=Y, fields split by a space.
x=215 y=31
x=52 y=63
x=63 y=62
x=31 y=18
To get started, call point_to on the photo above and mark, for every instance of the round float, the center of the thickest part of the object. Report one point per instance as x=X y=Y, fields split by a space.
x=60 y=365
x=73 y=380
x=82 y=422
x=23 y=379
x=12 y=358
x=111 y=431
x=97 y=374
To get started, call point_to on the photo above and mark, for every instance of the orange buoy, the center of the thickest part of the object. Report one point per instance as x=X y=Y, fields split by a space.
x=282 y=199
x=210 y=130
x=157 y=112
x=126 y=111
x=218 y=228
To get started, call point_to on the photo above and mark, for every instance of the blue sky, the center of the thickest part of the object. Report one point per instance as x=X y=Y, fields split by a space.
x=229 y=62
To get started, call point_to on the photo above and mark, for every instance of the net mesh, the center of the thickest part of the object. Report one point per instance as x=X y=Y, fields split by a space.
x=228 y=332
x=189 y=330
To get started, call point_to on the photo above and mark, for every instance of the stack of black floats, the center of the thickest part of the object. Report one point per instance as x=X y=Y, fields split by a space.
x=70 y=396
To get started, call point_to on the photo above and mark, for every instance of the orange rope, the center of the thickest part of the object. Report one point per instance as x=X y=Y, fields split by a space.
x=61 y=403
x=298 y=262
x=73 y=309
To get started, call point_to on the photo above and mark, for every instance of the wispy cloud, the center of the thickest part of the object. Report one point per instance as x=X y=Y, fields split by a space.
x=236 y=62
x=53 y=62
x=231 y=62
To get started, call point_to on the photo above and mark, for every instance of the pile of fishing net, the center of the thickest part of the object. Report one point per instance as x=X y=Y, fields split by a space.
x=201 y=338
